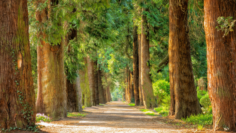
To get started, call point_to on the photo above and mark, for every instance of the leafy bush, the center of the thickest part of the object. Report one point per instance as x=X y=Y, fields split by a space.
x=163 y=110
x=161 y=90
x=42 y=117
x=206 y=103
x=200 y=93
x=201 y=119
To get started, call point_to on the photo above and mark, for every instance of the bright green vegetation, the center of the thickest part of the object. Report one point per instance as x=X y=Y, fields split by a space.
x=148 y=112
x=101 y=104
x=163 y=110
x=75 y=115
x=131 y=104
x=201 y=119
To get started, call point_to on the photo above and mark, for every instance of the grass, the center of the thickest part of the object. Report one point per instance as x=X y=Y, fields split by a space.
x=201 y=119
x=148 y=112
x=200 y=127
x=131 y=104
x=101 y=104
x=75 y=115
x=164 y=111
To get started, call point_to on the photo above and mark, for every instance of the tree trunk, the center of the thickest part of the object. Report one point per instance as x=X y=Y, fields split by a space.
x=79 y=93
x=182 y=86
x=136 y=67
x=91 y=79
x=139 y=74
x=221 y=63
x=96 y=91
x=146 y=83
x=84 y=84
x=100 y=87
x=51 y=98
x=16 y=83
x=128 y=87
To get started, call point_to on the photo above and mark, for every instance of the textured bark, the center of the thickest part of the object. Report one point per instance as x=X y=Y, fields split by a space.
x=100 y=88
x=79 y=93
x=139 y=74
x=146 y=83
x=84 y=84
x=221 y=63
x=51 y=98
x=136 y=67
x=131 y=88
x=128 y=91
x=96 y=91
x=16 y=83
x=182 y=86
x=91 y=78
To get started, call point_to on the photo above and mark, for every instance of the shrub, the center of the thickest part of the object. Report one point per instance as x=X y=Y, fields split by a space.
x=201 y=119
x=200 y=93
x=42 y=117
x=206 y=103
x=163 y=110
x=161 y=90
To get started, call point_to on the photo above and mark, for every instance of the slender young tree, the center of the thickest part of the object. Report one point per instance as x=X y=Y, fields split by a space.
x=146 y=82
x=221 y=63
x=102 y=98
x=96 y=91
x=184 y=100
x=16 y=83
x=51 y=97
x=139 y=74
x=136 y=66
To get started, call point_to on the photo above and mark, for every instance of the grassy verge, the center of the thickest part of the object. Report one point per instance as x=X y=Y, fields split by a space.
x=75 y=114
x=163 y=111
x=42 y=117
x=201 y=119
x=148 y=112
x=131 y=104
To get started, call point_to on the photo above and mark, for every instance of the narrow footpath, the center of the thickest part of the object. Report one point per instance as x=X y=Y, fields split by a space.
x=113 y=117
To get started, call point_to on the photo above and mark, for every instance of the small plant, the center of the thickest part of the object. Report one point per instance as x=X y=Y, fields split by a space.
x=42 y=117
x=200 y=127
x=131 y=104
x=75 y=115
x=163 y=110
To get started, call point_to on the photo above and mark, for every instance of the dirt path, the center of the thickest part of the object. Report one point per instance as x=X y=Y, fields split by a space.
x=114 y=117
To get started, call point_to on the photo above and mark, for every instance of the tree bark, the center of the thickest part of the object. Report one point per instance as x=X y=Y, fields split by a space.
x=79 y=93
x=139 y=74
x=16 y=83
x=136 y=66
x=184 y=100
x=221 y=63
x=146 y=83
x=51 y=98
x=91 y=79
x=96 y=91
x=100 y=87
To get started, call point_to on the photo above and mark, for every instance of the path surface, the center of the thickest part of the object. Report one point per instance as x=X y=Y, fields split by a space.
x=114 y=117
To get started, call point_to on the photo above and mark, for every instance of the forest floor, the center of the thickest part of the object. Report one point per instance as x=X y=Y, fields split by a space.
x=116 y=117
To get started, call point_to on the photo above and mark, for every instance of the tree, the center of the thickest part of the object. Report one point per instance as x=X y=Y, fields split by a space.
x=136 y=66
x=17 y=98
x=146 y=82
x=183 y=93
x=51 y=97
x=220 y=63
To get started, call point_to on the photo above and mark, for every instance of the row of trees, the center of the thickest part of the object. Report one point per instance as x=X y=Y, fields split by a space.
x=81 y=50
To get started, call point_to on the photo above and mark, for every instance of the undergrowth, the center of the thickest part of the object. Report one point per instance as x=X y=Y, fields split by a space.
x=148 y=112
x=162 y=110
x=42 y=117
x=131 y=104
x=201 y=119
x=75 y=115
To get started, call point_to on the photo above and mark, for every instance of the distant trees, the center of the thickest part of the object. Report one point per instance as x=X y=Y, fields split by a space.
x=17 y=97
x=183 y=93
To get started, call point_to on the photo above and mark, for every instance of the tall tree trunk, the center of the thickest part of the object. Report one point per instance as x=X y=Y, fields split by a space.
x=146 y=83
x=221 y=63
x=91 y=78
x=100 y=87
x=84 y=84
x=139 y=74
x=16 y=83
x=128 y=86
x=131 y=89
x=51 y=98
x=136 y=66
x=79 y=93
x=96 y=91
x=180 y=66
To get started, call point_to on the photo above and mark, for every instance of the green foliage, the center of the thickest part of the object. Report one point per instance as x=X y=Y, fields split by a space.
x=163 y=110
x=131 y=104
x=75 y=115
x=148 y=112
x=206 y=103
x=201 y=119
x=225 y=24
x=200 y=93
x=161 y=90
x=42 y=117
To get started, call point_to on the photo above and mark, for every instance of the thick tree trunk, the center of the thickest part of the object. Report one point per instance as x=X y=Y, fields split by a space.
x=146 y=83
x=221 y=63
x=100 y=88
x=128 y=87
x=96 y=91
x=180 y=66
x=16 y=83
x=91 y=79
x=84 y=84
x=136 y=67
x=131 y=89
x=139 y=74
